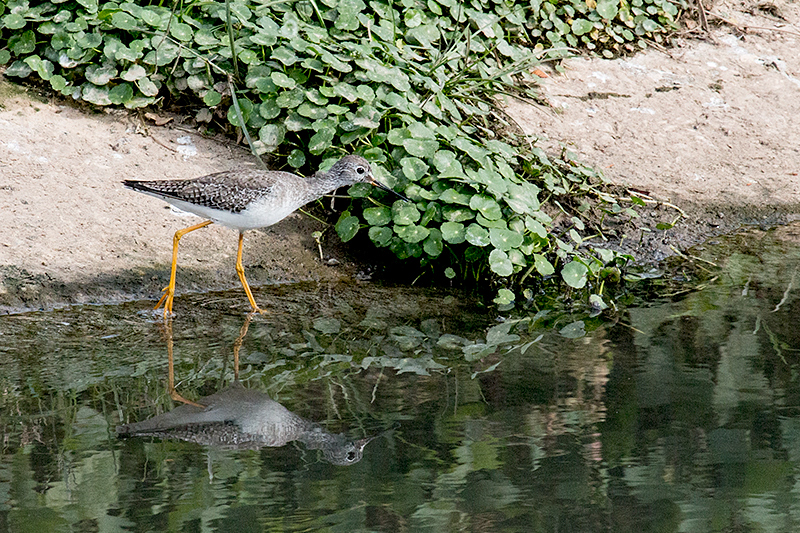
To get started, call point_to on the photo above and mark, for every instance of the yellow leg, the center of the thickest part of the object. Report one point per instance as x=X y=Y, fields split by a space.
x=169 y=290
x=238 y=344
x=173 y=393
x=240 y=271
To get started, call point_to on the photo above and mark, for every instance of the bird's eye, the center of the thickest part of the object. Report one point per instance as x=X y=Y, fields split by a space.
x=351 y=456
x=360 y=170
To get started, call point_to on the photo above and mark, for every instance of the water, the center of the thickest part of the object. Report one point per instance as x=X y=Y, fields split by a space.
x=682 y=414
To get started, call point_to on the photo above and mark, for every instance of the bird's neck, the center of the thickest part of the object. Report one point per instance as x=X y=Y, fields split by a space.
x=315 y=437
x=324 y=182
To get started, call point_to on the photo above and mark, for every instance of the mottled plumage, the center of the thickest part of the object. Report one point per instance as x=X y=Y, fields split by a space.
x=227 y=191
x=247 y=199
x=242 y=418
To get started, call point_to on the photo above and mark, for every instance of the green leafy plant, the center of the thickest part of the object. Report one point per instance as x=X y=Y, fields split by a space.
x=412 y=86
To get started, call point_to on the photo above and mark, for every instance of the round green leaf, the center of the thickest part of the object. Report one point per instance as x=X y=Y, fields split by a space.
x=542 y=265
x=405 y=213
x=504 y=239
x=359 y=190
x=421 y=148
x=249 y=57
x=100 y=74
x=282 y=80
x=205 y=37
x=536 y=227
x=500 y=263
x=136 y=72
x=272 y=136
x=269 y=109
x=151 y=17
x=290 y=99
x=581 y=26
x=418 y=130
x=297 y=158
x=414 y=168
x=380 y=235
x=285 y=55
x=457 y=214
x=181 y=31
x=19 y=69
x=367 y=117
x=246 y=107
x=212 y=98
x=413 y=17
x=138 y=101
x=23 y=43
x=294 y=122
x=574 y=274
x=90 y=5
x=607 y=8
x=486 y=206
x=476 y=235
x=311 y=111
x=347 y=227
x=453 y=232
x=43 y=67
x=452 y=196
x=58 y=83
x=94 y=94
x=504 y=297
x=377 y=216
x=412 y=233
x=650 y=25
x=398 y=136
x=121 y=93
x=14 y=21
x=123 y=21
x=486 y=223
x=433 y=245
x=320 y=141
x=449 y=273
x=404 y=250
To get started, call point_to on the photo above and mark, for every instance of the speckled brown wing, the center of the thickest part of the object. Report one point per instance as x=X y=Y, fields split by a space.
x=230 y=191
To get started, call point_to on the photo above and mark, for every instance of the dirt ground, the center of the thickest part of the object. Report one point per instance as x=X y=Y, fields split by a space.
x=710 y=126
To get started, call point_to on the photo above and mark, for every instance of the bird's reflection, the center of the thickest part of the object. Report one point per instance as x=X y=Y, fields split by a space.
x=241 y=418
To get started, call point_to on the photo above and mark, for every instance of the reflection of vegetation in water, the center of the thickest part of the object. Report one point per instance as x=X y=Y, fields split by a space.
x=703 y=403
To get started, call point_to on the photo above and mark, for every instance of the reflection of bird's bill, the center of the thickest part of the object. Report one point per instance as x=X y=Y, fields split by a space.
x=361 y=443
x=385 y=188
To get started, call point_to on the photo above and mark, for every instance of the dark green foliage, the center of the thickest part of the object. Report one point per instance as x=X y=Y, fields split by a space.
x=410 y=85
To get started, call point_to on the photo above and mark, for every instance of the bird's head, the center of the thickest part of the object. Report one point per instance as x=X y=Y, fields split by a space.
x=356 y=169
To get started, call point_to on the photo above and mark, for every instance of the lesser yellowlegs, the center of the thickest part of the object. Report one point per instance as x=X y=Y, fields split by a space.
x=241 y=418
x=247 y=199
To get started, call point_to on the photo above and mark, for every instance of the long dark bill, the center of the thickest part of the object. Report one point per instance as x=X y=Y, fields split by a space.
x=385 y=188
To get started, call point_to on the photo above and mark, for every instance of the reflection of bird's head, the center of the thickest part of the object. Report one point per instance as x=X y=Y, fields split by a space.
x=344 y=452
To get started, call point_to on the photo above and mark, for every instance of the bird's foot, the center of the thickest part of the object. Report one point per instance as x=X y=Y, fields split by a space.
x=169 y=296
x=178 y=398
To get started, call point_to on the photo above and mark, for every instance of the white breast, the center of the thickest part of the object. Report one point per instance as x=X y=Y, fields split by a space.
x=259 y=214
